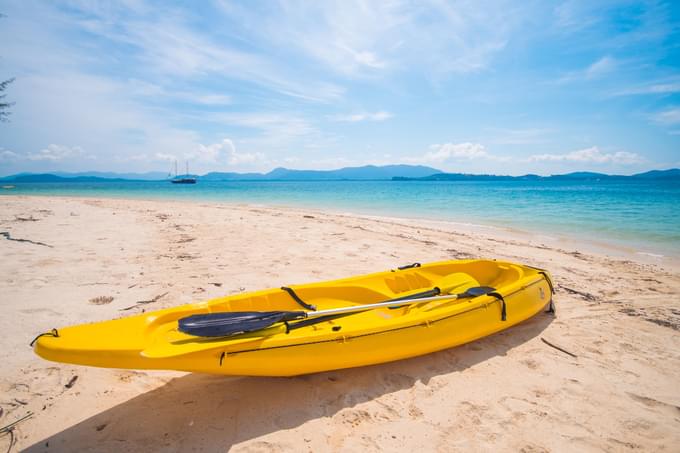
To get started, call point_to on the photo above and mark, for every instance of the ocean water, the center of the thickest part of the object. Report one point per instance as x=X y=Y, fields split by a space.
x=639 y=215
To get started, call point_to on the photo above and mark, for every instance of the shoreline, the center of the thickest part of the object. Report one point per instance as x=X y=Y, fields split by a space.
x=509 y=391
x=540 y=240
x=558 y=241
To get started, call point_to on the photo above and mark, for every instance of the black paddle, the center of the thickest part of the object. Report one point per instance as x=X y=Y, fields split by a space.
x=230 y=323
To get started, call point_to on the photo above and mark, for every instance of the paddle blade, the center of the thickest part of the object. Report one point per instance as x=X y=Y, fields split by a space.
x=476 y=291
x=234 y=323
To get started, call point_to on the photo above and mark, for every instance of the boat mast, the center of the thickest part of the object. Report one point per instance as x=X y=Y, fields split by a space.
x=175 y=168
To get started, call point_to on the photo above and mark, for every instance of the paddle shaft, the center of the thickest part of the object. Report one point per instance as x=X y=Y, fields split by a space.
x=389 y=303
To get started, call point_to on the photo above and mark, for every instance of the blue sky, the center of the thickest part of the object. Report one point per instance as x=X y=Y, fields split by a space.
x=475 y=86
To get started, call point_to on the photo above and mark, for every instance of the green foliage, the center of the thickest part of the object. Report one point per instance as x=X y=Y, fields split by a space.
x=4 y=106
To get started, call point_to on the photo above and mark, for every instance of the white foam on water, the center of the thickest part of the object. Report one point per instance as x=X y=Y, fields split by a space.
x=425 y=219
x=653 y=255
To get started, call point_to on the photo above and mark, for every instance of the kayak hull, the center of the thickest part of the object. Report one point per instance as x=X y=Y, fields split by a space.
x=152 y=341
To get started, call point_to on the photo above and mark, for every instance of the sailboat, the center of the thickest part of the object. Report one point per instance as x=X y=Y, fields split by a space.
x=186 y=179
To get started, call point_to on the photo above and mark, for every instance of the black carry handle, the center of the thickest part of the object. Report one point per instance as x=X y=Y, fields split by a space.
x=297 y=299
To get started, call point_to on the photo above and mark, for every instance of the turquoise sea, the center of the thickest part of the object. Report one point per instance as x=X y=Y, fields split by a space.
x=639 y=215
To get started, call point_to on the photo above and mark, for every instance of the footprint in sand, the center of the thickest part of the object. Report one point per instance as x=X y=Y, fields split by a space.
x=354 y=417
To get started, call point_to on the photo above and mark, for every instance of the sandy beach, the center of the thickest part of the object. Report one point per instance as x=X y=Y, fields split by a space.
x=76 y=260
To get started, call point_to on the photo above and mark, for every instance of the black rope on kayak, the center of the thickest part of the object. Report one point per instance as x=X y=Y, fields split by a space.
x=222 y=356
x=285 y=323
x=551 y=306
x=502 y=301
x=51 y=333
x=409 y=266
x=547 y=279
x=297 y=299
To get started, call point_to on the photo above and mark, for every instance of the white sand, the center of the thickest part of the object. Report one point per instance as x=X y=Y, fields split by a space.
x=508 y=392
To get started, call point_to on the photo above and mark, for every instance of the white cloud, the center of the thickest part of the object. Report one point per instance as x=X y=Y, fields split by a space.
x=364 y=116
x=600 y=67
x=440 y=153
x=207 y=99
x=668 y=117
x=595 y=70
x=56 y=153
x=368 y=59
x=225 y=150
x=7 y=155
x=658 y=87
x=574 y=15
x=149 y=90
x=160 y=156
x=285 y=124
x=343 y=35
x=355 y=38
x=170 y=49
x=590 y=155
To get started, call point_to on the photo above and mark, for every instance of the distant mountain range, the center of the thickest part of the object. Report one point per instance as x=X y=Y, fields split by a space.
x=48 y=177
x=673 y=173
x=368 y=172
x=89 y=176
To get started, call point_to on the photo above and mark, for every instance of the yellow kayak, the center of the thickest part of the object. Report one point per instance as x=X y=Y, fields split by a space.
x=352 y=322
